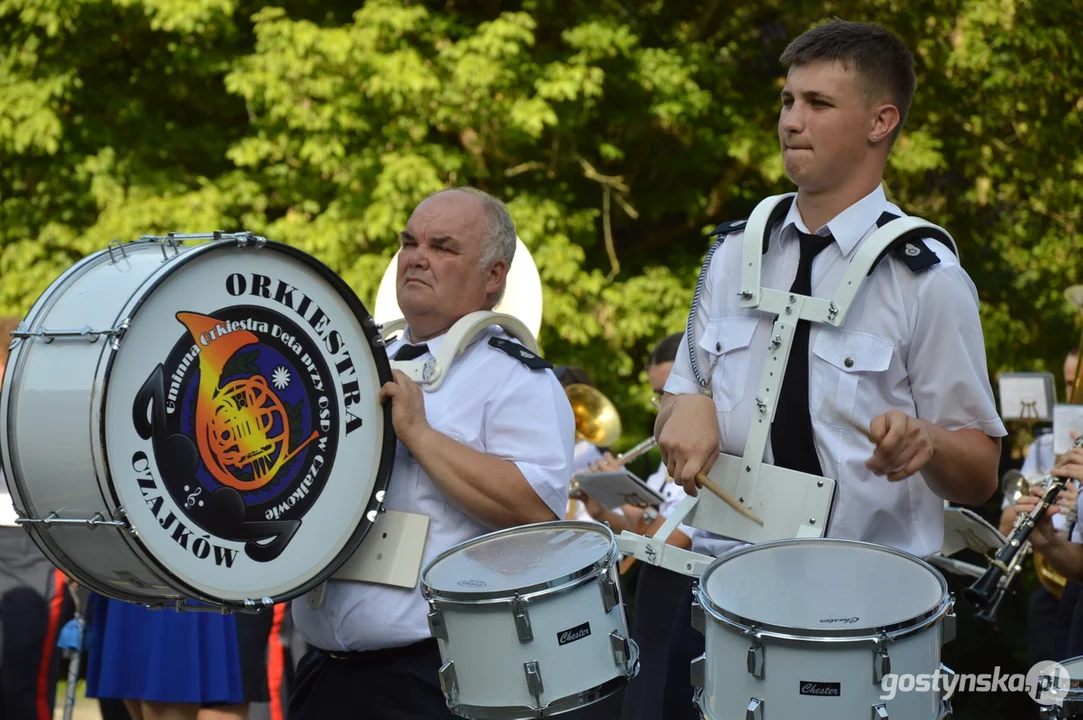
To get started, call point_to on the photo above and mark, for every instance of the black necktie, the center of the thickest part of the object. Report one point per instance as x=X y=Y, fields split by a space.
x=792 y=440
x=409 y=352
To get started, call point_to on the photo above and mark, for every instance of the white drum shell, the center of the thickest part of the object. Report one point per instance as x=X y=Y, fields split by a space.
x=792 y=661
x=59 y=390
x=481 y=641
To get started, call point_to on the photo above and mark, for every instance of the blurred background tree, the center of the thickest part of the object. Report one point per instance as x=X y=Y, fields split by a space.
x=619 y=134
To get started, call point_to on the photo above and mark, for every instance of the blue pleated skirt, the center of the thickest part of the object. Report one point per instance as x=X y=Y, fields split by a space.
x=162 y=655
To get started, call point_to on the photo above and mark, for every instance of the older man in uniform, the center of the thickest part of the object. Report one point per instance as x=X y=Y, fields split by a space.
x=491 y=448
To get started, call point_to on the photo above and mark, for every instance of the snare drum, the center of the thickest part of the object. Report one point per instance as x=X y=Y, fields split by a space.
x=1059 y=689
x=530 y=621
x=197 y=422
x=808 y=629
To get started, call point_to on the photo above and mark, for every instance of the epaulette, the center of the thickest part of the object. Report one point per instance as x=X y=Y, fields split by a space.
x=728 y=227
x=911 y=248
x=520 y=353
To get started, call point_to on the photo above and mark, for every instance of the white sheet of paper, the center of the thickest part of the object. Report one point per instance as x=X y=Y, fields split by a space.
x=1065 y=419
x=1026 y=396
x=613 y=489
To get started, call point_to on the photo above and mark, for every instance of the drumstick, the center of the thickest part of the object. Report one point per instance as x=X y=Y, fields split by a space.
x=855 y=425
x=727 y=498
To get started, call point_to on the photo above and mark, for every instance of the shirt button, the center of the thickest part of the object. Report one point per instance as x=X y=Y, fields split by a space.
x=848 y=362
x=718 y=347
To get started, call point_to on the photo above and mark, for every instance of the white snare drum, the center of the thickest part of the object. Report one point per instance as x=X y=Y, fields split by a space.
x=530 y=621
x=213 y=433
x=1059 y=689
x=807 y=630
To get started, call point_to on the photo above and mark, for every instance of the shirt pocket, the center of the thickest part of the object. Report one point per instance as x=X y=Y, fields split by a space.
x=727 y=344
x=847 y=370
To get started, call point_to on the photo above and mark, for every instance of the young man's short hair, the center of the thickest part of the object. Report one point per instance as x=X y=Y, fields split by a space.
x=876 y=55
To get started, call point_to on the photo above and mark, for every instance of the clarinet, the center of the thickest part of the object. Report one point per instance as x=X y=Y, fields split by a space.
x=987 y=592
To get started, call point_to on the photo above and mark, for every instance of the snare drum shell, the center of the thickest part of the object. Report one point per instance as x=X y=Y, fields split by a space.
x=579 y=633
x=822 y=672
x=483 y=643
x=793 y=668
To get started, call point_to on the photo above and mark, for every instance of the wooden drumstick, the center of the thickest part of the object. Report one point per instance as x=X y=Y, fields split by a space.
x=727 y=498
x=855 y=425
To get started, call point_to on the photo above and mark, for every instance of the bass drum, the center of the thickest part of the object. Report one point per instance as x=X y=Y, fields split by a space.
x=212 y=433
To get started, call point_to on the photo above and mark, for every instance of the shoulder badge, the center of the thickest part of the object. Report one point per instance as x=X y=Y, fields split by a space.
x=729 y=227
x=520 y=353
x=917 y=255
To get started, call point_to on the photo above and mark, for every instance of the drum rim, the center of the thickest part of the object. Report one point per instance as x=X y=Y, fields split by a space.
x=52 y=551
x=785 y=632
x=383 y=372
x=581 y=699
x=548 y=587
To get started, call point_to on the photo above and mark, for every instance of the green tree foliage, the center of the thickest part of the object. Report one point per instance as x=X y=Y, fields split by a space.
x=619 y=133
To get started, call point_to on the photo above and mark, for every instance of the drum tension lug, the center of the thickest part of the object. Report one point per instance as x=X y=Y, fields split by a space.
x=449 y=683
x=879 y=712
x=534 y=682
x=699 y=672
x=881 y=661
x=699 y=618
x=949 y=623
x=754 y=710
x=621 y=651
x=610 y=591
x=756 y=659
x=437 y=626
x=522 y=619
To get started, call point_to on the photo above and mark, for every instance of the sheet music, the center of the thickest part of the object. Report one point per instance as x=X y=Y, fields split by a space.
x=1026 y=396
x=1065 y=419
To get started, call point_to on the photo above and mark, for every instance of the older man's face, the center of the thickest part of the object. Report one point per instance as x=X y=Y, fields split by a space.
x=439 y=277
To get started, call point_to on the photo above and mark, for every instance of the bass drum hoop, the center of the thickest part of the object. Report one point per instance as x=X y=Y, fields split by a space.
x=555 y=586
x=900 y=629
x=383 y=371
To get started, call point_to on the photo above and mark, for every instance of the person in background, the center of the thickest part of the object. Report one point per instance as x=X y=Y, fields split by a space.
x=32 y=606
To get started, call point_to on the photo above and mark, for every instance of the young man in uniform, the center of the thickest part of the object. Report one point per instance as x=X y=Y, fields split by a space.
x=909 y=361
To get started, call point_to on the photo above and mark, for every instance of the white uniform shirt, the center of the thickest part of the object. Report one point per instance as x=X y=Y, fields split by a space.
x=490 y=402
x=912 y=342
x=7 y=508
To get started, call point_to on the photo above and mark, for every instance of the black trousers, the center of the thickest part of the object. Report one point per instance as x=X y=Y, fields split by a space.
x=1071 y=616
x=686 y=646
x=1047 y=627
x=659 y=595
x=393 y=684
x=32 y=610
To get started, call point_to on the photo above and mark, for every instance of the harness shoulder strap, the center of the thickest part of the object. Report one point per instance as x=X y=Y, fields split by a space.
x=768 y=213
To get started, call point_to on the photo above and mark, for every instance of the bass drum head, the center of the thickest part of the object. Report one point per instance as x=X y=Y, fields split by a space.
x=822 y=587
x=241 y=423
x=526 y=559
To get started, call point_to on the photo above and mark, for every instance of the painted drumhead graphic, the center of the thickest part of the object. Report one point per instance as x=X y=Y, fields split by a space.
x=244 y=429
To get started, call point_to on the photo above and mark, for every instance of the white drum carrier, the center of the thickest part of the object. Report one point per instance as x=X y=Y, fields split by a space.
x=197 y=422
x=530 y=621
x=808 y=630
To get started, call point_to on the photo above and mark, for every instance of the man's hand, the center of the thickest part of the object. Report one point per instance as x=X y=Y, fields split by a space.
x=606 y=463
x=1043 y=532
x=903 y=445
x=689 y=439
x=407 y=407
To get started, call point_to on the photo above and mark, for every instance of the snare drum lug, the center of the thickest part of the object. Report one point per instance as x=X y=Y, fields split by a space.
x=437 y=626
x=534 y=681
x=699 y=618
x=699 y=672
x=881 y=661
x=879 y=712
x=610 y=591
x=449 y=683
x=621 y=653
x=754 y=710
x=949 y=623
x=522 y=620
x=756 y=660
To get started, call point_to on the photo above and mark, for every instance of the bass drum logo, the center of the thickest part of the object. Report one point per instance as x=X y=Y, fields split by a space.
x=243 y=423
